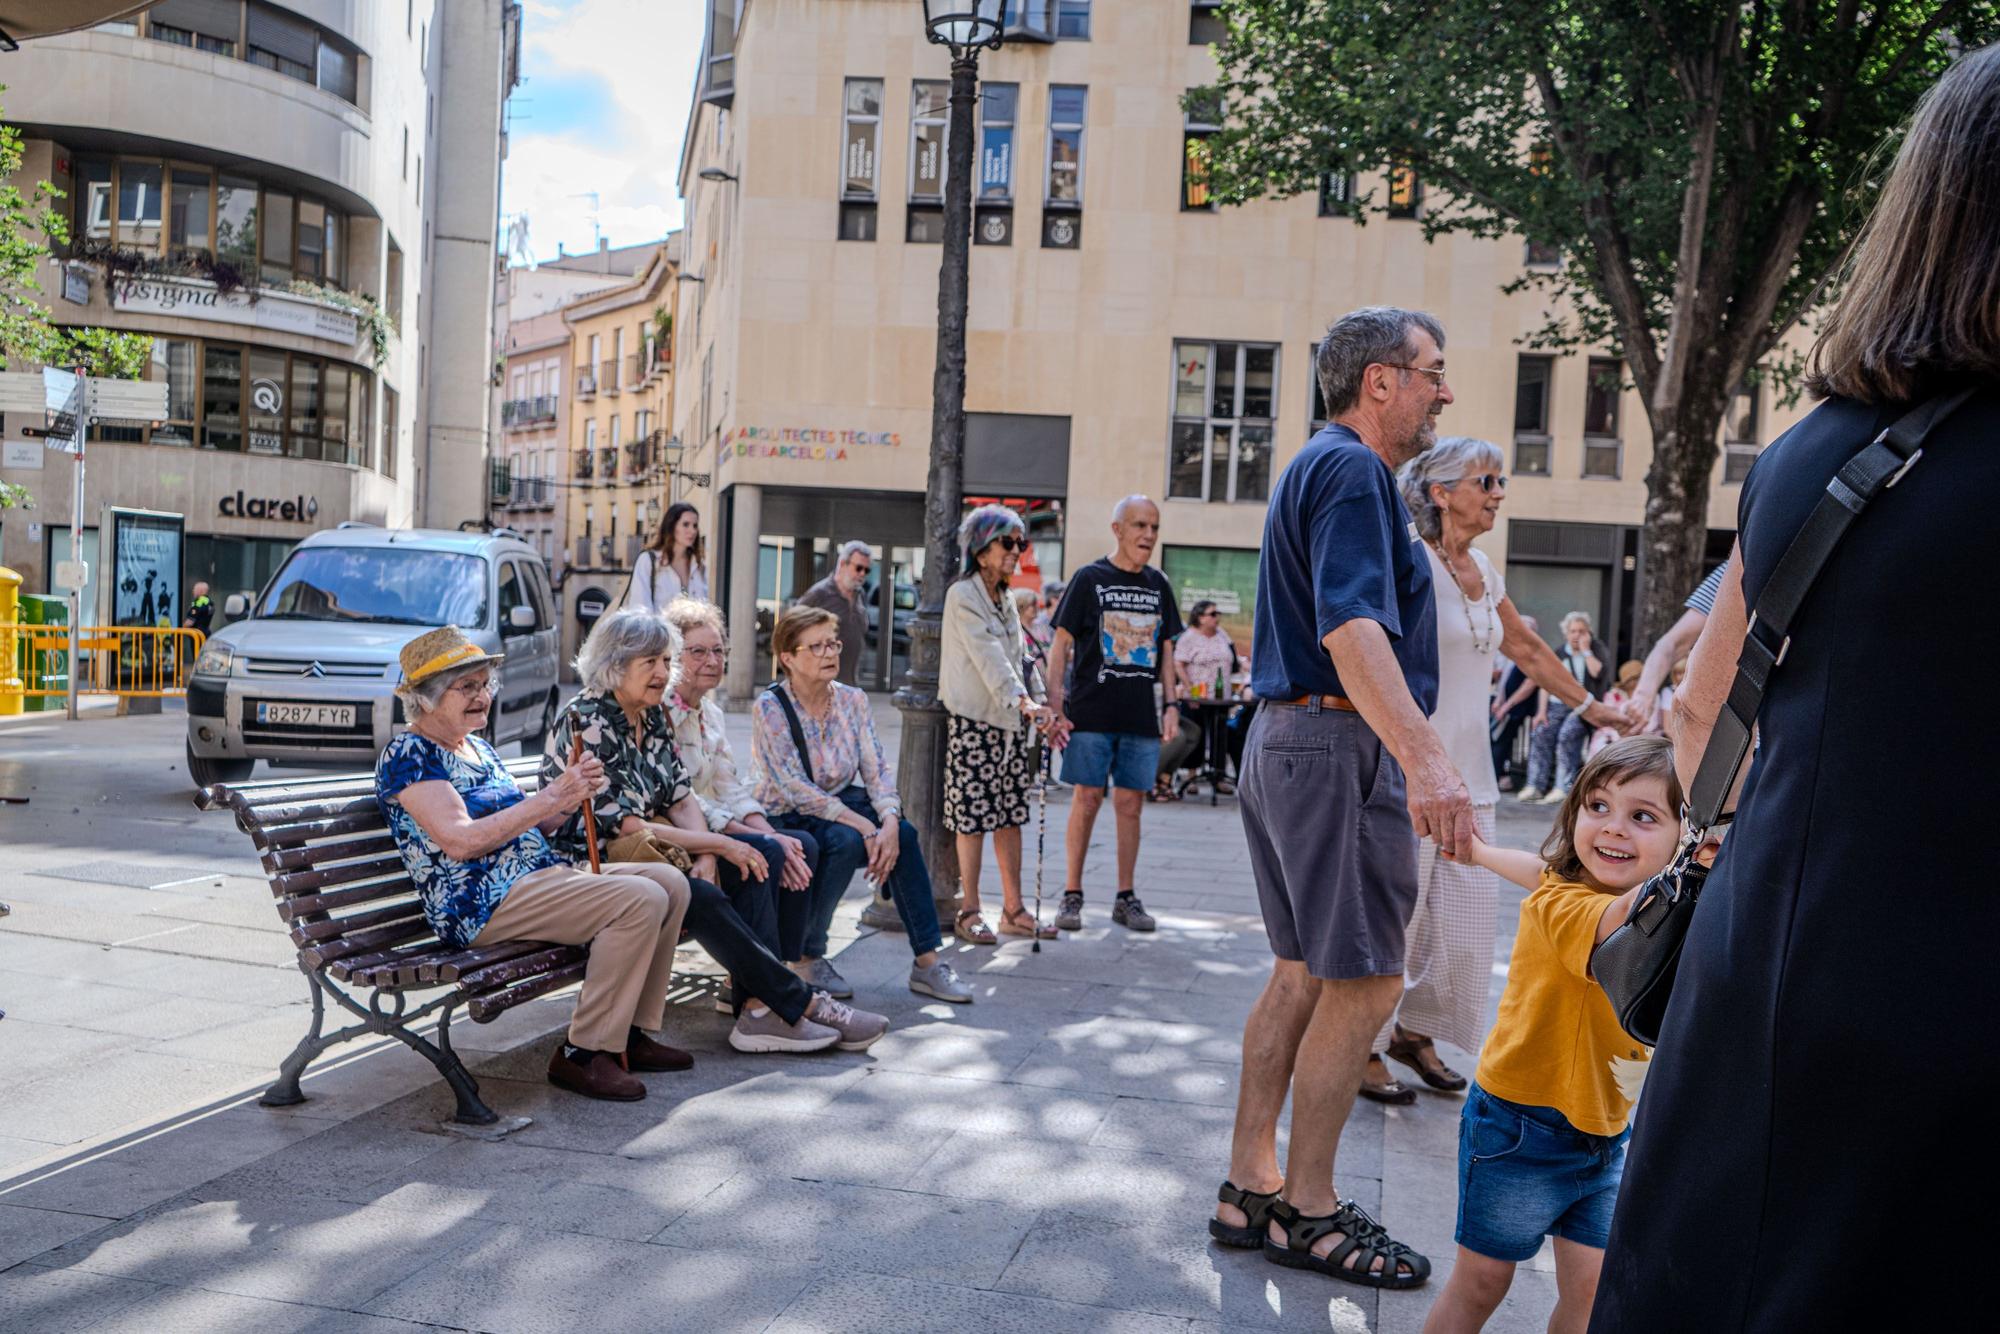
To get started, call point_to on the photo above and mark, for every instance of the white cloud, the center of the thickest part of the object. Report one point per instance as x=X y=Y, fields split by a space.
x=643 y=55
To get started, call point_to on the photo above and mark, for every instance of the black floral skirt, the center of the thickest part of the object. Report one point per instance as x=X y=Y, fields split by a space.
x=986 y=777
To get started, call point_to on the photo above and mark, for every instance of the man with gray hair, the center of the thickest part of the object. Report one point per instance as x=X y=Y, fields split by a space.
x=1341 y=773
x=840 y=593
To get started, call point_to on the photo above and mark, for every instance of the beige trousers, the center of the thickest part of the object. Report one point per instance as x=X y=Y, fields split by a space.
x=630 y=916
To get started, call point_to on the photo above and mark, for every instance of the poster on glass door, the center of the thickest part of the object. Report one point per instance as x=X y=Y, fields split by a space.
x=147 y=549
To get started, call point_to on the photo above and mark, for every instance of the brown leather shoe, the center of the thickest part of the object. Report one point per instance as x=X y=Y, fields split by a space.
x=595 y=1076
x=644 y=1053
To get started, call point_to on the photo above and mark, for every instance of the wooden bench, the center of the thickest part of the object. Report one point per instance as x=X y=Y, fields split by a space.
x=354 y=915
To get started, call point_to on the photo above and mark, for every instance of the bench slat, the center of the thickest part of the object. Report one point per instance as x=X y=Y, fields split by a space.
x=485 y=1009
x=509 y=971
x=382 y=937
x=359 y=968
x=310 y=905
x=449 y=968
x=305 y=882
x=308 y=831
x=355 y=924
x=281 y=860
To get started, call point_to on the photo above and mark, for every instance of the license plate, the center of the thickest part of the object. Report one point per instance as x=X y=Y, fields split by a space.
x=307 y=715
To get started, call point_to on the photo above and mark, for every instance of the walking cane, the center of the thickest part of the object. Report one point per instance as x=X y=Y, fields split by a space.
x=589 y=815
x=1041 y=836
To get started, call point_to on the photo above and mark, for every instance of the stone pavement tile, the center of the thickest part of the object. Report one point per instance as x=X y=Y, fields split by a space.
x=1075 y=959
x=335 y=1161
x=15 y=1152
x=877 y=1304
x=83 y=1102
x=1147 y=1074
x=241 y=983
x=520 y=1281
x=934 y=1102
x=1224 y=1013
x=1526 y=1309
x=259 y=1040
x=123 y=1179
x=105 y=1007
x=835 y=1148
x=325 y=1252
x=83 y=896
x=168 y=1310
x=1197 y=1130
x=1178 y=1270
x=935 y=1238
x=131 y=874
x=94 y=926
x=48 y=957
x=26 y=1233
x=269 y=945
x=1429 y=1126
x=37 y=1049
x=34 y=1300
x=961 y=1047
x=249 y=910
x=1077 y=1178
x=1420 y=1202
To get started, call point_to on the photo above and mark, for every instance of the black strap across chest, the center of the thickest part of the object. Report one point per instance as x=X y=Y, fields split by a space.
x=777 y=692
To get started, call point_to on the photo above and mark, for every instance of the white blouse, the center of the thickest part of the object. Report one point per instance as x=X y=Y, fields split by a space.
x=654 y=583
x=1468 y=637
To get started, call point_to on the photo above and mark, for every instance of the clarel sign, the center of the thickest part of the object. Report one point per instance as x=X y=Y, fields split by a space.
x=299 y=509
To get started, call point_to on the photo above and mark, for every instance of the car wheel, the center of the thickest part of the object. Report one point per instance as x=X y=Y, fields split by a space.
x=205 y=772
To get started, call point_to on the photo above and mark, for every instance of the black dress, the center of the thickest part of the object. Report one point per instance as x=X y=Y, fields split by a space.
x=1809 y=1152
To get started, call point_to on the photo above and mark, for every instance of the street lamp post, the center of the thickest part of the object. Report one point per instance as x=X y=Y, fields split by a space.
x=967 y=27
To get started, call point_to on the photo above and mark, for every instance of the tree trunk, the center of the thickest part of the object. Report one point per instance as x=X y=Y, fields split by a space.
x=1676 y=524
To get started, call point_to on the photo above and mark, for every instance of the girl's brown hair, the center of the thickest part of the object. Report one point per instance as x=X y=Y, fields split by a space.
x=1921 y=309
x=662 y=545
x=1619 y=762
x=793 y=625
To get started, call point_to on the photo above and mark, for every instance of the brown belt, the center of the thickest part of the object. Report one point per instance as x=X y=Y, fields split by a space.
x=1325 y=702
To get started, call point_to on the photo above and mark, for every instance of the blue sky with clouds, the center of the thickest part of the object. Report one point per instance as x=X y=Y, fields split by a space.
x=602 y=107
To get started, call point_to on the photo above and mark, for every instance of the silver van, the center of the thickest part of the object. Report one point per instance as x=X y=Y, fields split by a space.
x=308 y=677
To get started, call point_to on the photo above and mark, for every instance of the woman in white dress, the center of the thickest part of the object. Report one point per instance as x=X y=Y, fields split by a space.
x=1454 y=492
x=671 y=565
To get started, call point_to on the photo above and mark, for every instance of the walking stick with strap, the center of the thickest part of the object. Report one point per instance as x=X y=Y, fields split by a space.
x=589 y=815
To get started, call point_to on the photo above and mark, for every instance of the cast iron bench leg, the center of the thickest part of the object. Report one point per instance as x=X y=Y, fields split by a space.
x=285 y=1093
x=471 y=1111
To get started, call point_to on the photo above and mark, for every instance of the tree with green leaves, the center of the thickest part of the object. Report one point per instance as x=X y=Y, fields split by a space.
x=1702 y=165
x=30 y=227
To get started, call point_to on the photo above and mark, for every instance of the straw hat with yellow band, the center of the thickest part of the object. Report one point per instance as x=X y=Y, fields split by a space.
x=442 y=650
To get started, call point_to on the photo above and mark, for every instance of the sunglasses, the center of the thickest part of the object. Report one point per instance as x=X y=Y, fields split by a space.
x=1489 y=482
x=1009 y=542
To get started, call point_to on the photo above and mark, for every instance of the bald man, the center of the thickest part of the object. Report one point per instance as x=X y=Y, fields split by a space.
x=1114 y=632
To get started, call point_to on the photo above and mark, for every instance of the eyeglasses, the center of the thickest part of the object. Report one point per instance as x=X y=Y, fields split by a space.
x=1489 y=482
x=474 y=689
x=1009 y=542
x=706 y=654
x=1435 y=372
x=828 y=649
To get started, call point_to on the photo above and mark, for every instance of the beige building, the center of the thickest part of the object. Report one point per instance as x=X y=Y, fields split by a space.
x=618 y=482
x=247 y=182
x=1123 y=336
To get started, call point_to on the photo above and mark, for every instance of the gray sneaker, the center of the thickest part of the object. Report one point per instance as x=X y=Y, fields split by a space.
x=882 y=916
x=1128 y=912
x=1069 y=917
x=767 y=1033
x=940 y=980
x=858 y=1028
x=820 y=976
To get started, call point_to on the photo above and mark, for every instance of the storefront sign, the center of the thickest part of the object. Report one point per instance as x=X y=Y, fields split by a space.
x=76 y=287
x=21 y=454
x=201 y=301
x=807 y=444
x=299 y=509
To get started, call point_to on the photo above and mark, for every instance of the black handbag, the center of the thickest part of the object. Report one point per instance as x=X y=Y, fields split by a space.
x=1637 y=962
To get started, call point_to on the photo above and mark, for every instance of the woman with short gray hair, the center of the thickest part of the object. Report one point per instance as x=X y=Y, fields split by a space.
x=1454 y=491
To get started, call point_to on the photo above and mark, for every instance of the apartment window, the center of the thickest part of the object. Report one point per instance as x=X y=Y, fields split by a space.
x=1406 y=192
x=616 y=422
x=236 y=223
x=1533 y=377
x=92 y=220
x=1316 y=416
x=420 y=182
x=179 y=210
x=993 y=222
x=930 y=111
x=279 y=226
x=281 y=42
x=1201 y=120
x=1602 y=447
x=860 y=159
x=1206 y=26
x=389 y=428
x=392 y=282
x=406 y=152
x=1742 y=432
x=1225 y=397
x=1073 y=20
x=1063 y=181
x=1540 y=255
x=338 y=71
x=590 y=435
x=139 y=185
x=718 y=56
x=188 y=211
x=205 y=25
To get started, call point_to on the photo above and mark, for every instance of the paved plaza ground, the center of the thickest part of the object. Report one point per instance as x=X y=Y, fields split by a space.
x=1042 y=1160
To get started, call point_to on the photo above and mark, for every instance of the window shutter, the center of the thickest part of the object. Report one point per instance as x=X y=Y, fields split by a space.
x=283 y=35
x=210 y=18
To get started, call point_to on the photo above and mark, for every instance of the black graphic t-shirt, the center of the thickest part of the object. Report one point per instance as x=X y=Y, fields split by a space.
x=1122 y=621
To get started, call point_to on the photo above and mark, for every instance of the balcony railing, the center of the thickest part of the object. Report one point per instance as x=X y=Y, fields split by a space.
x=519 y=412
x=586 y=384
x=582 y=468
x=635 y=369
x=500 y=482
x=607 y=464
x=607 y=375
x=533 y=493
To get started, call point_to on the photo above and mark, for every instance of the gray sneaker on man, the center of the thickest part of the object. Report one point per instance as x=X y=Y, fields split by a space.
x=820 y=976
x=940 y=980
x=766 y=1032
x=1069 y=917
x=858 y=1029
x=1127 y=911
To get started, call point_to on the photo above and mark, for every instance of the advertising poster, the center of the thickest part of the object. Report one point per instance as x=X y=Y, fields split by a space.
x=1226 y=576
x=146 y=555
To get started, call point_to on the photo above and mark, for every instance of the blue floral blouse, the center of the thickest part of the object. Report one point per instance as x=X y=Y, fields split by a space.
x=458 y=896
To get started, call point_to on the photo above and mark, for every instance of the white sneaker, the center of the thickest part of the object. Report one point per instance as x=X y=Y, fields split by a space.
x=1529 y=794
x=1556 y=796
x=766 y=1032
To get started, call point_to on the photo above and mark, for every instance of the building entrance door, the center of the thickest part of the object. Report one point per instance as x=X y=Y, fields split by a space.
x=800 y=542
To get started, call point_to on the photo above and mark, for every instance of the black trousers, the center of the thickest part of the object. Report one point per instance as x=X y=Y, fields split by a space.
x=714 y=922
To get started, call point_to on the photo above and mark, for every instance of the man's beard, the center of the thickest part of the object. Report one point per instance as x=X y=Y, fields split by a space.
x=1420 y=440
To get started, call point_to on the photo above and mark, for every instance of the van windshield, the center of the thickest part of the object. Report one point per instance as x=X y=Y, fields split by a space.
x=401 y=587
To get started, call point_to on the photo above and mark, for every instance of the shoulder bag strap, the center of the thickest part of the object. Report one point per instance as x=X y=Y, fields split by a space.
x=1876 y=468
x=777 y=692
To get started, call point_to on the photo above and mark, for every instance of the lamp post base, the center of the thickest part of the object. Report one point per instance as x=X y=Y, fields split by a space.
x=920 y=760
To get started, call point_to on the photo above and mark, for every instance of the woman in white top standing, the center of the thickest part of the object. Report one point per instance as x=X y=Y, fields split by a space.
x=1454 y=491
x=671 y=565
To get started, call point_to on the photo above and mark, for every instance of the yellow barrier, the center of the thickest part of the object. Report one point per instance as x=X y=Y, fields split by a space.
x=134 y=660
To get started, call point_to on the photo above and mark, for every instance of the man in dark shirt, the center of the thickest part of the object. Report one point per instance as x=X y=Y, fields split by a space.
x=1341 y=774
x=1114 y=633
x=840 y=593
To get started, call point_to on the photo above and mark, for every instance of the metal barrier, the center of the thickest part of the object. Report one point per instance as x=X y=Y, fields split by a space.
x=146 y=662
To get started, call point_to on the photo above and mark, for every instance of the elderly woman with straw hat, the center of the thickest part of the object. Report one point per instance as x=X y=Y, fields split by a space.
x=477 y=850
x=647 y=812
x=990 y=711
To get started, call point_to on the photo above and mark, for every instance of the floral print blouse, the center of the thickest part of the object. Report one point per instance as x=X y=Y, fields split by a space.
x=845 y=750
x=458 y=896
x=642 y=770
x=1201 y=656
x=725 y=795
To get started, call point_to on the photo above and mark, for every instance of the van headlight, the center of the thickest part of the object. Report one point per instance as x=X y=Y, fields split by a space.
x=215 y=660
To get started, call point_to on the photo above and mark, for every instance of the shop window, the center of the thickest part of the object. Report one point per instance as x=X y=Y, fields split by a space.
x=1533 y=378
x=1224 y=399
x=1202 y=120
x=860 y=162
x=1742 y=432
x=1206 y=26
x=175 y=363
x=338 y=397
x=222 y=398
x=1603 y=449
x=188 y=211
x=1063 y=181
x=1406 y=192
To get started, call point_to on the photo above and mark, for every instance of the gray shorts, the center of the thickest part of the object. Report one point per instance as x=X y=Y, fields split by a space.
x=1330 y=839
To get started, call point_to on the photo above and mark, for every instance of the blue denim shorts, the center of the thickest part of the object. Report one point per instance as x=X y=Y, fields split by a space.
x=1113 y=759
x=1525 y=1173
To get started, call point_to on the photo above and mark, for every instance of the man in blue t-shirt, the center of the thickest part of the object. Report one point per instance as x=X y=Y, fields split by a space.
x=1341 y=774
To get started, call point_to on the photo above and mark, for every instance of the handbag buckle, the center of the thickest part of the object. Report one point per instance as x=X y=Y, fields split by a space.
x=1778 y=658
x=1908 y=464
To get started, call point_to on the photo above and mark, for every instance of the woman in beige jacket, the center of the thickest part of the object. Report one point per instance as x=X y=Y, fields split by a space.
x=989 y=708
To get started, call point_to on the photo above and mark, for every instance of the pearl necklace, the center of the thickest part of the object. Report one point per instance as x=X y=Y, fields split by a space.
x=1483 y=645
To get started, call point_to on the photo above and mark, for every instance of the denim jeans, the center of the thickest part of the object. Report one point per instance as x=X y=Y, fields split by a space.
x=1542 y=747
x=730 y=942
x=842 y=852
x=777 y=916
x=1569 y=749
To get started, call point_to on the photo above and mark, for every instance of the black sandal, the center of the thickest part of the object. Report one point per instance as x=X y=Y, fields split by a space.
x=1410 y=1051
x=1361 y=1237
x=1256 y=1207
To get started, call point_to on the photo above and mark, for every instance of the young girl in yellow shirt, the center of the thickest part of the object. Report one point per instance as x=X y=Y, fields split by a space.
x=1541 y=1140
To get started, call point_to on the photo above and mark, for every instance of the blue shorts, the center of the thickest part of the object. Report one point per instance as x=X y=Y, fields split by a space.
x=1525 y=1173
x=1111 y=759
